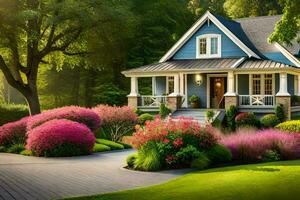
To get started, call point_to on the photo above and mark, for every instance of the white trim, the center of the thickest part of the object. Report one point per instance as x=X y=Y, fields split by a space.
x=208 y=38
x=287 y=54
x=262 y=84
x=208 y=76
x=283 y=84
x=196 y=26
x=240 y=61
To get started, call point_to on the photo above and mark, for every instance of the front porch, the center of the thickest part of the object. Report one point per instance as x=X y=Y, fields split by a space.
x=248 y=91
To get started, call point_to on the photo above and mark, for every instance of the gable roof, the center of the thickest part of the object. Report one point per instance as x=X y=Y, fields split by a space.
x=258 y=29
x=208 y=16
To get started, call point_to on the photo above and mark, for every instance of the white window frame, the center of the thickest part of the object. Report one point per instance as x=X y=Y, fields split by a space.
x=262 y=84
x=208 y=46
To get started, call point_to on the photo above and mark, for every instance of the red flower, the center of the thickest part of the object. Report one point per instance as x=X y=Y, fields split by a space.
x=166 y=141
x=178 y=142
x=170 y=159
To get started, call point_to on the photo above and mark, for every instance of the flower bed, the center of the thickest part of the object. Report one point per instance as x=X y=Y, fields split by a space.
x=60 y=138
x=252 y=146
x=116 y=121
x=174 y=143
x=74 y=113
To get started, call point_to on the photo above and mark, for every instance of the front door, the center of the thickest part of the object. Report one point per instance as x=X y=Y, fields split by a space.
x=217 y=91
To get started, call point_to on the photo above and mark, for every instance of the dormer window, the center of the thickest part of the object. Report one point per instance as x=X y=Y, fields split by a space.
x=208 y=46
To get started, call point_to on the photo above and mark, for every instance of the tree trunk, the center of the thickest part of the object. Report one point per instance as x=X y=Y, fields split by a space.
x=33 y=101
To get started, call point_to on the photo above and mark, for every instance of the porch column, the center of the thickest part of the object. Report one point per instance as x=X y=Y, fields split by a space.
x=174 y=99
x=283 y=97
x=230 y=96
x=298 y=83
x=134 y=93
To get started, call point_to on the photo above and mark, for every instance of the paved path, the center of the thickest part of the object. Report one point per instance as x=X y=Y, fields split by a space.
x=32 y=178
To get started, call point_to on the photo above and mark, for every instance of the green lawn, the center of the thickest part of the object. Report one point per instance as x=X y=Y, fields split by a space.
x=269 y=181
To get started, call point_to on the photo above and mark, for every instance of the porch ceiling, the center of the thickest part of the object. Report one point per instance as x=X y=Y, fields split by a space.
x=186 y=65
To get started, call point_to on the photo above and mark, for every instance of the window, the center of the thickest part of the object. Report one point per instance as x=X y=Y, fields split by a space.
x=208 y=46
x=170 y=84
x=262 y=84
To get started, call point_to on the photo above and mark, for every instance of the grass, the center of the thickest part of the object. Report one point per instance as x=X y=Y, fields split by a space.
x=100 y=148
x=267 y=181
x=111 y=144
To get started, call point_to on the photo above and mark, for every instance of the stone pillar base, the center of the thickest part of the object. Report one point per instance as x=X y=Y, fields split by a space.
x=174 y=102
x=286 y=102
x=231 y=101
x=133 y=101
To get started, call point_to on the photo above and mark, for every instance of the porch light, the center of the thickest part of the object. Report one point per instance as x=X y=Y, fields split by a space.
x=199 y=79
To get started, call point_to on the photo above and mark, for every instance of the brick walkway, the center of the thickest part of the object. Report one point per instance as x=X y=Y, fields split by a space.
x=31 y=178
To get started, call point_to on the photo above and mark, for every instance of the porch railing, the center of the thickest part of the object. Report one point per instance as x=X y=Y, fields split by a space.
x=152 y=101
x=256 y=100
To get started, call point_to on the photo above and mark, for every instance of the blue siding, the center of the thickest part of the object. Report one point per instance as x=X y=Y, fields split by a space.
x=279 y=57
x=160 y=85
x=194 y=89
x=229 y=48
x=291 y=84
x=243 y=84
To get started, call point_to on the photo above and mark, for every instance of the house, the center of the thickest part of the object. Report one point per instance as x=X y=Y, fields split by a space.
x=223 y=62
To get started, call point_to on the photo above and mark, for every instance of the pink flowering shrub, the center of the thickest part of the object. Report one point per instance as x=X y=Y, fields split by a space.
x=250 y=146
x=178 y=141
x=246 y=119
x=13 y=133
x=60 y=137
x=74 y=113
x=116 y=121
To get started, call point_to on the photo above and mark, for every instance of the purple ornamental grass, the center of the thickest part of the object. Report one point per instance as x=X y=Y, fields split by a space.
x=13 y=132
x=58 y=132
x=251 y=145
x=74 y=113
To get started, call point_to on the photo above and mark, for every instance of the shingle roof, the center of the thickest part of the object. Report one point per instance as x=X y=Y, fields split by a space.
x=258 y=29
x=263 y=64
x=184 y=65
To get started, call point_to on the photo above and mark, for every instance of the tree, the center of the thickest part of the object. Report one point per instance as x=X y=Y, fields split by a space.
x=199 y=7
x=251 y=8
x=31 y=30
x=288 y=28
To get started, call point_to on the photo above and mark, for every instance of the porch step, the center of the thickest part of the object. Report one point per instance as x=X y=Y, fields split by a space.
x=197 y=114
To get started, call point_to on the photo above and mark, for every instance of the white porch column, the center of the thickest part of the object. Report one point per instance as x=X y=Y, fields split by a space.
x=283 y=90
x=298 y=84
x=154 y=86
x=230 y=84
x=176 y=86
x=134 y=87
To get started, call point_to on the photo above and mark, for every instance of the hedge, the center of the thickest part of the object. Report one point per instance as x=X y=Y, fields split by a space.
x=12 y=112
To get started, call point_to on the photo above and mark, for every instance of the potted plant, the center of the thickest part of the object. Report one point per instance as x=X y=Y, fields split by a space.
x=194 y=100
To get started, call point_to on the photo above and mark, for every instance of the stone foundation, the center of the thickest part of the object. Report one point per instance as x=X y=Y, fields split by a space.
x=286 y=102
x=231 y=101
x=133 y=101
x=174 y=102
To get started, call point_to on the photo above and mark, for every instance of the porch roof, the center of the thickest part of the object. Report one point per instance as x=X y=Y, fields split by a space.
x=186 y=65
x=263 y=64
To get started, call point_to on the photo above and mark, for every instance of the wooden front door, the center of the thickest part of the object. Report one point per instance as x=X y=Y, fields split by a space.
x=217 y=91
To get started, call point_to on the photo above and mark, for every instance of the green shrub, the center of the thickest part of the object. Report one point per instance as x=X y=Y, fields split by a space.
x=126 y=146
x=219 y=154
x=16 y=148
x=164 y=111
x=247 y=119
x=187 y=154
x=209 y=115
x=271 y=156
x=279 y=112
x=202 y=162
x=230 y=117
x=65 y=150
x=2 y=149
x=131 y=159
x=145 y=117
x=12 y=113
x=100 y=148
x=194 y=98
x=111 y=144
x=217 y=123
x=148 y=158
x=138 y=111
x=292 y=126
x=26 y=152
x=269 y=120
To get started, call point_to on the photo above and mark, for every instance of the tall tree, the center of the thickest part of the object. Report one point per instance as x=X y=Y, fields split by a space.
x=199 y=7
x=31 y=30
x=251 y=8
x=288 y=28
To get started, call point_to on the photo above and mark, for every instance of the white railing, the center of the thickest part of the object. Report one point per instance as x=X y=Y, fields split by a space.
x=256 y=100
x=152 y=101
